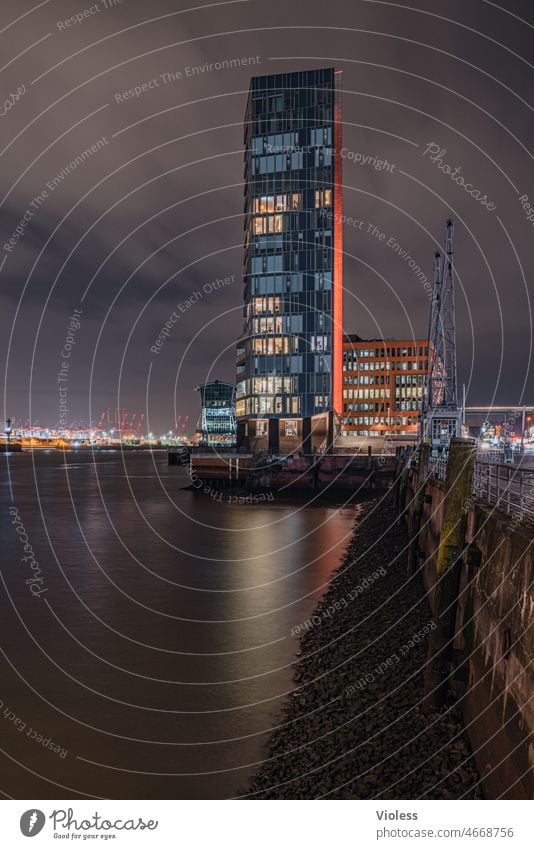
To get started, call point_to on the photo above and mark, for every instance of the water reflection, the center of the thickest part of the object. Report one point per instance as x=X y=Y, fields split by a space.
x=165 y=630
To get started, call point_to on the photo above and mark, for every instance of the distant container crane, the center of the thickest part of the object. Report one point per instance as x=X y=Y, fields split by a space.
x=126 y=423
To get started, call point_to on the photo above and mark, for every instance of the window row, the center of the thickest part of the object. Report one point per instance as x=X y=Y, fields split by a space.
x=274 y=142
x=408 y=405
x=277 y=284
x=364 y=380
x=410 y=421
x=381 y=365
x=365 y=393
x=278 y=162
x=321 y=367
x=259 y=305
x=365 y=408
x=409 y=379
x=274 y=404
x=409 y=392
x=264 y=224
x=275 y=345
x=268 y=385
x=385 y=352
x=274 y=385
x=265 y=366
x=277 y=203
x=269 y=324
x=286 y=121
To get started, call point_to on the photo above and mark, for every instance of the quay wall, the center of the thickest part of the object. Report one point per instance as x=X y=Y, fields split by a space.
x=493 y=649
x=329 y=472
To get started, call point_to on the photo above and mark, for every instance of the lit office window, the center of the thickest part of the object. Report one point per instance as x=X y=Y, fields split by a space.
x=291 y=427
x=323 y=198
x=267 y=224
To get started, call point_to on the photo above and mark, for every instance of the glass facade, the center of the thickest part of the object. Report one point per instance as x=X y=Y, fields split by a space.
x=217 y=423
x=291 y=343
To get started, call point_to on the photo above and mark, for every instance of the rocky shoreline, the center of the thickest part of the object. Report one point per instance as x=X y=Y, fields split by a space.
x=354 y=727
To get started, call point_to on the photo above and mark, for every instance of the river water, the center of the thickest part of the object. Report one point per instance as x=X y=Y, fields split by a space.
x=152 y=653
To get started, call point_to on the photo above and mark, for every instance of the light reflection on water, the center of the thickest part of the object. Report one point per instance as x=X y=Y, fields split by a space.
x=167 y=618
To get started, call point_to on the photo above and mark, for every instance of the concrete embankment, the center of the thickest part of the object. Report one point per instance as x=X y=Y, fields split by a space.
x=354 y=726
x=472 y=541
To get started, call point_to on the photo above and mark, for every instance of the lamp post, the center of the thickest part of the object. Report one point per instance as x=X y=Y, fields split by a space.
x=7 y=431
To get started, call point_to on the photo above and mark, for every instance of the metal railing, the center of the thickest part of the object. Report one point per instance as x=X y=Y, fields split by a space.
x=509 y=488
x=437 y=468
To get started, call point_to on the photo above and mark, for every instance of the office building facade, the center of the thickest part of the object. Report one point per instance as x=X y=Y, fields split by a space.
x=383 y=386
x=289 y=358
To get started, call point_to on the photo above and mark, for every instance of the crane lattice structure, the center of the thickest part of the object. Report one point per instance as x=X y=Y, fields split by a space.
x=442 y=416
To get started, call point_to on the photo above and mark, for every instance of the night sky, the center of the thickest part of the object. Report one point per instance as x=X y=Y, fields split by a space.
x=154 y=213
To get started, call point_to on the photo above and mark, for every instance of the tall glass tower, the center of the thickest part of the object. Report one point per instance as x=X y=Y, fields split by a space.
x=289 y=359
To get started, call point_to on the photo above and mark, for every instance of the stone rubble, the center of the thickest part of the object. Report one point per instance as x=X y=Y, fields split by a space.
x=354 y=727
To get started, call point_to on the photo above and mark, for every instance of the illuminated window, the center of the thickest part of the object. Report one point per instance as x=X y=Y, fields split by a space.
x=277 y=203
x=319 y=343
x=271 y=345
x=264 y=224
x=291 y=427
x=264 y=404
x=272 y=324
x=323 y=197
x=271 y=304
x=264 y=204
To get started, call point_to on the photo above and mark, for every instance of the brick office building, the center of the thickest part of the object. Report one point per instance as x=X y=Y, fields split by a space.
x=383 y=386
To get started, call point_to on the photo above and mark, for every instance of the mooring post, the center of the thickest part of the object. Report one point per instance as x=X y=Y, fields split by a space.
x=448 y=566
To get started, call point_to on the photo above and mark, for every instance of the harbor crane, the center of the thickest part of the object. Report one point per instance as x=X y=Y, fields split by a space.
x=442 y=415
